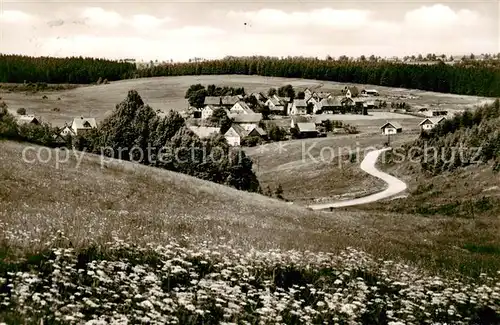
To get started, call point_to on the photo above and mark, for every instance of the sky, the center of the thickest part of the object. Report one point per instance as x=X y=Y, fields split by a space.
x=180 y=30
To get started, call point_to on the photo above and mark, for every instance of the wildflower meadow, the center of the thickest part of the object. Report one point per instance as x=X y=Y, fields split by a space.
x=208 y=283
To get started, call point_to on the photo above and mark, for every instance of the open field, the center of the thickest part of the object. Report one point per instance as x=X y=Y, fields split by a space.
x=167 y=93
x=43 y=207
x=320 y=170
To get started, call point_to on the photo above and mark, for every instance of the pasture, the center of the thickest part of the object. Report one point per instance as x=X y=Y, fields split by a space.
x=165 y=93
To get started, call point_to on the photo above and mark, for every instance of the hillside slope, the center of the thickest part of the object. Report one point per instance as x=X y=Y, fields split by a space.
x=144 y=205
x=79 y=205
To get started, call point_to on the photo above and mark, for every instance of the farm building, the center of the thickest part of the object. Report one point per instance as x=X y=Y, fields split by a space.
x=391 y=128
x=28 y=119
x=212 y=101
x=329 y=106
x=82 y=125
x=204 y=131
x=257 y=132
x=430 y=122
x=299 y=107
x=247 y=121
x=241 y=108
x=434 y=113
x=321 y=95
x=369 y=92
x=229 y=101
x=306 y=130
x=235 y=134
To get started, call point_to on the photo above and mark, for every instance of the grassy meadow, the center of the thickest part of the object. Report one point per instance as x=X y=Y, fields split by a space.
x=322 y=169
x=82 y=243
x=165 y=93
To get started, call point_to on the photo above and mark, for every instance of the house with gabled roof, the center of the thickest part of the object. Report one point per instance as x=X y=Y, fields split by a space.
x=431 y=122
x=306 y=130
x=82 y=125
x=204 y=132
x=241 y=108
x=351 y=91
x=235 y=134
x=257 y=132
x=67 y=130
x=330 y=105
x=246 y=121
x=276 y=105
x=28 y=119
x=229 y=101
x=391 y=128
x=207 y=111
x=299 y=107
x=213 y=101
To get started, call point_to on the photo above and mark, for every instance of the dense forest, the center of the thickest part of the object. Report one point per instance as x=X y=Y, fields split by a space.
x=468 y=78
x=74 y=70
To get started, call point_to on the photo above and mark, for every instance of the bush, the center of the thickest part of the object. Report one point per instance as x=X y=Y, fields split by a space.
x=21 y=111
x=8 y=125
x=3 y=105
x=251 y=141
x=276 y=133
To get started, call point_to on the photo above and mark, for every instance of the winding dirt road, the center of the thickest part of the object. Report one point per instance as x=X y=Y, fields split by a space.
x=395 y=185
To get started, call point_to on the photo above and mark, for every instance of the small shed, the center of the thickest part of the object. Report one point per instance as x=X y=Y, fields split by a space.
x=391 y=128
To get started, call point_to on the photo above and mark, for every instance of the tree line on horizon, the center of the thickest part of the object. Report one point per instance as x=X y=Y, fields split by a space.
x=72 y=70
x=468 y=78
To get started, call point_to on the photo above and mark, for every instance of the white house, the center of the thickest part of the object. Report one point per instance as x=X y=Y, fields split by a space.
x=67 y=130
x=204 y=131
x=207 y=111
x=308 y=93
x=299 y=107
x=82 y=125
x=351 y=92
x=241 y=108
x=28 y=119
x=235 y=134
x=430 y=122
x=391 y=128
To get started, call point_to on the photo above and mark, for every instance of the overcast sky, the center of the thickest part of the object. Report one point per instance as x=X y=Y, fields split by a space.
x=180 y=30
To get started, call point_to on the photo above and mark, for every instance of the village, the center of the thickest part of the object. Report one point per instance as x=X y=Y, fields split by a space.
x=307 y=114
x=310 y=115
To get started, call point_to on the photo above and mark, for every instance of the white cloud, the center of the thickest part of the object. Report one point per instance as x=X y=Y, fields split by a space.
x=148 y=22
x=317 y=32
x=16 y=17
x=440 y=16
x=98 y=17
x=326 y=17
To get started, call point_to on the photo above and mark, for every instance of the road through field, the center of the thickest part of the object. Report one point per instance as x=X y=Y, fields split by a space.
x=395 y=185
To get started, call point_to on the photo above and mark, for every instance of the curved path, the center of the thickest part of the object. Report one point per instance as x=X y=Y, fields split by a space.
x=395 y=185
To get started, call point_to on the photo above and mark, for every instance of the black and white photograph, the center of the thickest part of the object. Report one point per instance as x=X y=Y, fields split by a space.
x=249 y=162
